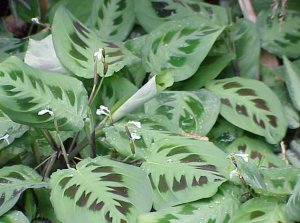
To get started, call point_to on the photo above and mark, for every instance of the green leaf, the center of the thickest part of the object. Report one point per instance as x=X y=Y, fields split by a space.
x=152 y=13
x=75 y=46
x=25 y=91
x=100 y=190
x=293 y=154
x=247 y=46
x=280 y=38
x=13 y=181
x=251 y=105
x=14 y=217
x=218 y=209
x=114 y=19
x=194 y=112
x=293 y=205
x=259 y=152
x=10 y=128
x=183 y=169
x=260 y=210
x=292 y=79
x=179 y=46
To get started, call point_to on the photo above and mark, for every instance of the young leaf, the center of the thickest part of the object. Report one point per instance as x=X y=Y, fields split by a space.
x=11 y=129
x=194 y=112
x=218 y=209
x=292 y=79
x=183 y=169
x=152 y=13
x=75 y=46
x=100 y=190
x=114 y=19
x=259 y=152
x=251 y=105
x=25 y=91
x=280 y=38
x=13 y=181
x=14 y=217
x=179 y=46
x=261 y=210
x=247 y=46
x=293 y=205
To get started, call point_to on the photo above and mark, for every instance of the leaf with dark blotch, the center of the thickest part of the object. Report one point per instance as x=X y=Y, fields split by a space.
x=122 y=191
x=96 y=206
x=114 y=177
x=181 y=185
x=83 y=199
x=71 y=191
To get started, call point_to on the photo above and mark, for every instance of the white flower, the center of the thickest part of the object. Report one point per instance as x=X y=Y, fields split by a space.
x=102 y=110
x=234 y=173
x=134 y=136
x=35 y=20
x=5 y=138
x=99 y=54
x=135 y=123
x=244 y=156
x=45 y=111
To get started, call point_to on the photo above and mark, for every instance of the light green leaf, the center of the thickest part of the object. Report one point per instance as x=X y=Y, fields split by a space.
x=10 y=128
x=293 y=205
x=218 y=209
x=25 y=91
x=183 y=169
x=260 y=152
x=179 y=46
x=251 y=105
x=13 y=181
x=14 y=217
x=100 y=190
x=152 y=13
x=292 y=79
x=247 y=46
x=75 y=46
x=280 y=38
x=261 y=210
x=114 y=19
x=194 y=112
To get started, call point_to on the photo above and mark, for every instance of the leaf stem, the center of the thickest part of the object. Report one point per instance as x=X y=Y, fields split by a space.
x=63 y=149
x=50 y=139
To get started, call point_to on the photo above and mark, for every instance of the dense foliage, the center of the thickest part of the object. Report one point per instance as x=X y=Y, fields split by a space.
x=150 y=111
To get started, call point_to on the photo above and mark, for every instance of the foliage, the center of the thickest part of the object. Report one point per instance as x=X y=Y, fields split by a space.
x=149 y=111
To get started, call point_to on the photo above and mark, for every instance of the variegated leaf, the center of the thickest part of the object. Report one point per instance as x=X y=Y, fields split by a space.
x=152 y=13
x=113 y=19
x=75 y=46
x=280 y=37
x=100 y=190
x=13 y=181
x=251 y=105
x=179 y=46
x=25 y=92
x=194 y=112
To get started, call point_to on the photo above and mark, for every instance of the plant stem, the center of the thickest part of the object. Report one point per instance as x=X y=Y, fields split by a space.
x=61 y=143
x=50 y=139
x=36 y=152
x=49 y=165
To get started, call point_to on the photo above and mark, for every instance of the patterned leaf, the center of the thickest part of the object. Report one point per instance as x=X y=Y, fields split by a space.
x=152 y=13
x=100 y=190
x=280 y=38
x=12 y=129
x=14 y=217
x=218 y=209
x=194 y=112
x=75 y=46
x=113 y=19
x=260 y=152
x=260 y=210
x=293 y=204
x=251 y=105
x=184 y=169
x=292 y=79
x=179 y=46
x=13 y=181
x=24 y=91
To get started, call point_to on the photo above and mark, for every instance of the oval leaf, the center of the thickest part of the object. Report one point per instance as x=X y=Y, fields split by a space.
x=194 y=112
x=251 y=105
x=100 y=190
x=25 y=91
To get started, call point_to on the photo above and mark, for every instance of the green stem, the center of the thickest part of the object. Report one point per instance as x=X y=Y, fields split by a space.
x=64 y=152
x=36 y=152
x=50 y=140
